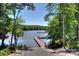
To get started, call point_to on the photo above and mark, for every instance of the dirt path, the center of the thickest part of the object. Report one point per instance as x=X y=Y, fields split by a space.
x=42 y=52
x=60 y=52
x=33 y=52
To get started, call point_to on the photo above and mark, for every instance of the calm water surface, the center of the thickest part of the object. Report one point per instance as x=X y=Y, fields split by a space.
x=27 y=38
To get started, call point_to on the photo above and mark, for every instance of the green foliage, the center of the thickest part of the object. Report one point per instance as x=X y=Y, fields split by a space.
x=55 y=23
x=53 y=30
x=12 y=24
x=6 y=51
x=19 y=30
x=33 y=27
x=16 y=8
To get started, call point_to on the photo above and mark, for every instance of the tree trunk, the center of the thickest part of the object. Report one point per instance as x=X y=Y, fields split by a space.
x=2 y=42
x=63 y=26
x=77 y=29
x=14 y=29
x=11 y=38
x=15 y=38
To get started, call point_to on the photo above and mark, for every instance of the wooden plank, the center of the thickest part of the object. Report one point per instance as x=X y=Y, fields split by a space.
x=39 y=42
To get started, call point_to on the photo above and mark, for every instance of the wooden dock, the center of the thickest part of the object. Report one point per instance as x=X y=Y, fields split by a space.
x=39 y=42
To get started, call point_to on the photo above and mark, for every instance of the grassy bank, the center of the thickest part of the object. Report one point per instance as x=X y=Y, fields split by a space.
x=5 y=51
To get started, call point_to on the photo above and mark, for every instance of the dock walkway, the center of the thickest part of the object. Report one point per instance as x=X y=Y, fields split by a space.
x=39 y=42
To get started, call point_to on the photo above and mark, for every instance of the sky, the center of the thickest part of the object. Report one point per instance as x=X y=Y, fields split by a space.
x=35 y=17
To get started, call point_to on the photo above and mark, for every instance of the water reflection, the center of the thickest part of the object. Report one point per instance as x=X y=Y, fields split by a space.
x=27 y=38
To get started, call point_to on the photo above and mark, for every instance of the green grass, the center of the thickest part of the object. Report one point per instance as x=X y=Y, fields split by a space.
x=5 y=51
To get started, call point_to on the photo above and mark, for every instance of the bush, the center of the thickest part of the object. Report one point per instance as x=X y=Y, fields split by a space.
x=55 y=43
x=7 y=51
x=19 y=47
x=22 y=47
x=12 y=48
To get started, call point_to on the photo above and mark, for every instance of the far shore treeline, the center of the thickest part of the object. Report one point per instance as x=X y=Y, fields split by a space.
x=33 y=27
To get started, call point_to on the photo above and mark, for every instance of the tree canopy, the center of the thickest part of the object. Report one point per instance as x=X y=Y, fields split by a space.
x=62 y=24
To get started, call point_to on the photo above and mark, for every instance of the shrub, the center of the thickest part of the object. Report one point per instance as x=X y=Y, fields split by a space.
x=7 y=51
x=12 y=48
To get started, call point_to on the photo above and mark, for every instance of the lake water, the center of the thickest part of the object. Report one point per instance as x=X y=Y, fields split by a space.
x=27 y=38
